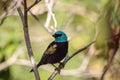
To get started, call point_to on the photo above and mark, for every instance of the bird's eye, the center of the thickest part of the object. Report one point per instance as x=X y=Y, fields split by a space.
x=59 y=35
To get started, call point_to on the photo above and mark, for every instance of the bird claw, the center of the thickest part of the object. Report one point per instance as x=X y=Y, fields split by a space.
x=58 y=69
x=62 y=65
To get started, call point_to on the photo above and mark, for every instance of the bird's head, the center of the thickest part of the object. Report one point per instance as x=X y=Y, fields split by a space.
x=60 y=36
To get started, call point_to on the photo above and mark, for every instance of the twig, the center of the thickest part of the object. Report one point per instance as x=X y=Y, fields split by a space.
x=3 y=19
x=113 y=45
x=23 y=62
x=12 y=59
x=112 y=49
x=40 y=22
x=67 y=58
x=50 y=14
x=48 y=19
x=73 y=72
x=78 y=73
x=21 y=15
x=36 y=2
x=86 y=59
x=27 y=39
x=9 y=10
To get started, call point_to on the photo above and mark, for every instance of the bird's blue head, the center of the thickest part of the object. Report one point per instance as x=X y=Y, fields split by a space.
x=60 y=36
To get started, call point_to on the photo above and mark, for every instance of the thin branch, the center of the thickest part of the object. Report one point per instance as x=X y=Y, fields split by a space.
x=80 y=50
x=48 y=19
x=67 y=58
x=3 y=19
x=112 y=50
x=73 y=72
x=113 y=45
x=40 y=22
x=50 y=14
x=36 y=2
x=86 y=59
x=79 y=72
x=23 y=62
x=27 y=39
x=9 y=10
x=21 y=15
x=12 y=59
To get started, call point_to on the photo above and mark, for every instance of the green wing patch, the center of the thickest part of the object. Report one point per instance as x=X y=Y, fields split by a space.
x=51 y=50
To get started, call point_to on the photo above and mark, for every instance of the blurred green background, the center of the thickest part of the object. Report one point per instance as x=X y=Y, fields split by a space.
x=82 y=20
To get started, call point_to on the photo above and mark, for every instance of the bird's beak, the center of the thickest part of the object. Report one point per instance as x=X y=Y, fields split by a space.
x=54 y=35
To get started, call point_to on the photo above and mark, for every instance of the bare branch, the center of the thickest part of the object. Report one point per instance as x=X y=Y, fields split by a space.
x=27 y=39
x=21 y=15
x=113 y=45
x=49 y=15
x=3 y=19
x=12 y=59
x=73 y=72
x=36 y=2
x=67 y=58
x=81 y=49
x=81 y=71
x=40 y=22
x=10 y=10
x=23 y=62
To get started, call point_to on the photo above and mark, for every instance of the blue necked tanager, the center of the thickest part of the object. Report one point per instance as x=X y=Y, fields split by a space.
x=56 y=50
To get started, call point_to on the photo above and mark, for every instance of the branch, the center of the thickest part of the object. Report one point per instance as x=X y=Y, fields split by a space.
x=40 y=22
x=113 y=45
x=21 y=15
x=12 y=59
x=79 y=72
x=3 y=19
x=67 y=58
x=27 y=39
x=50 y=14
x=9 y=9
x=36 y=2
x=48 y=19
x=112 y=50
x=23 y=62
x=73 y=72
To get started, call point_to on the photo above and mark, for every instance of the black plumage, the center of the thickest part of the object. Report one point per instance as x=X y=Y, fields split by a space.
x=56 y=50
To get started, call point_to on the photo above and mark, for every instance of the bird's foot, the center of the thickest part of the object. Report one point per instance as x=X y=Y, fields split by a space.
x=54 y=66
x=58 y=69
x=61 y=64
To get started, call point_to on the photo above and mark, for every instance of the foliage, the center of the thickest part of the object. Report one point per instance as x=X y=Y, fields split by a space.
x=80 y=19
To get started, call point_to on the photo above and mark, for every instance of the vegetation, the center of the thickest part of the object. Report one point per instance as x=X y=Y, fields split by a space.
x=83 y=21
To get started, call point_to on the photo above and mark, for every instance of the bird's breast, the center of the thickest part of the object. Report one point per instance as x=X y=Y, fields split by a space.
x=62 y=49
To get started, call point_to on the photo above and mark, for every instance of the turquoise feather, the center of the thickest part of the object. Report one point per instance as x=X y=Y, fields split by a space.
x=62 y=38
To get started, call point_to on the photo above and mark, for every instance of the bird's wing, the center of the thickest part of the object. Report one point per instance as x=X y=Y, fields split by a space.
x=51 y=49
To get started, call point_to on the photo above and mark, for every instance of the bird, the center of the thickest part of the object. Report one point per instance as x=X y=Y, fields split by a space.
x=56 y=51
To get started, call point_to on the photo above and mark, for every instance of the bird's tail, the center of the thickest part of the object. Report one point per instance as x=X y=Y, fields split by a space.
x=31 y=70
x=37 y=67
